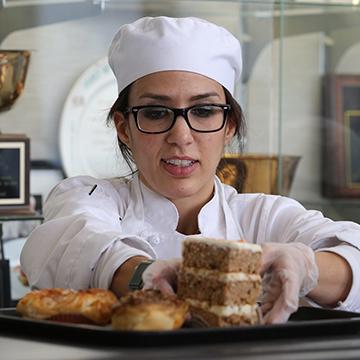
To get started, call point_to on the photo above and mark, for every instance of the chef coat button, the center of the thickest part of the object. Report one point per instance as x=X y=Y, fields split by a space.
x=154 y=240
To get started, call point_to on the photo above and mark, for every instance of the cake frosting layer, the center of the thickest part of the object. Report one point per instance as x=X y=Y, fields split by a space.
x=244 y=310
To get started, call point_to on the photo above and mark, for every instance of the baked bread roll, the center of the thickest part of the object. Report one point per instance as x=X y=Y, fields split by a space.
x=149 y=310
x=91 y=306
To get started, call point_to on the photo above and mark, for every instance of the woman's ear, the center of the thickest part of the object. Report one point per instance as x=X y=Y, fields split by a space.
x=122 y=127
x=229 y=131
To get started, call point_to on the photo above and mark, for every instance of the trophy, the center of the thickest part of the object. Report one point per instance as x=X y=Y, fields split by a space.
x=14 y=148
x=13 y=70
x=258 y=173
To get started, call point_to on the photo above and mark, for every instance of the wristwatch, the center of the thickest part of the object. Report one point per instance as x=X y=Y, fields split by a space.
x=136 y=282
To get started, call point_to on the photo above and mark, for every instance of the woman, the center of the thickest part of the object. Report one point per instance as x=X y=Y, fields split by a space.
x=174 y=115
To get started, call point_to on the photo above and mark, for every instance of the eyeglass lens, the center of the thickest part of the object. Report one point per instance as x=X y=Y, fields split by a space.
x=202 y=118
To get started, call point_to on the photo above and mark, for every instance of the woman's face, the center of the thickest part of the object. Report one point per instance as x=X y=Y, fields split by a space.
x=157 y=155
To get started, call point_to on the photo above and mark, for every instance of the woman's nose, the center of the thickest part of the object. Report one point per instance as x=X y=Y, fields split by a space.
x=180 y=133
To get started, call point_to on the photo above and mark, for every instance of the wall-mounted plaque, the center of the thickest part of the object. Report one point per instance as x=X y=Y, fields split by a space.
x=14 y=172
x=341 y=156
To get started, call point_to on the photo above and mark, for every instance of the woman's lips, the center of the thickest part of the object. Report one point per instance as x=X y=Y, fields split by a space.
x=180 y=162
x=180 y=167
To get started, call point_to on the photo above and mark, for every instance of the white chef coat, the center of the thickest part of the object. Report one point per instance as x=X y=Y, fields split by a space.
x=85 y=238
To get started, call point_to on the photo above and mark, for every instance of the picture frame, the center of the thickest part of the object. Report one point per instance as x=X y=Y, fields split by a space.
x=341 y=148
x=14 y=172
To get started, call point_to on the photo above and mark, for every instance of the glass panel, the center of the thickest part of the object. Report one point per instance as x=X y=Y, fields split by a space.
x=320 y=104
x=288 y=48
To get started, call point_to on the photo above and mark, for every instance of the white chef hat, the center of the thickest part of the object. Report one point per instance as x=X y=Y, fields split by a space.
x=153 y=44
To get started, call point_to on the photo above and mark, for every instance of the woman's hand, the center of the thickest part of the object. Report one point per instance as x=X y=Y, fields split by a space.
x=289 y=272
x=162 y=275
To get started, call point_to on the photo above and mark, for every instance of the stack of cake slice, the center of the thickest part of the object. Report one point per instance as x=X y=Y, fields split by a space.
x=220 y=281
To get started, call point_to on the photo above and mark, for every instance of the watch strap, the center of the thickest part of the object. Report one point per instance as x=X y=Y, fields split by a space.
x=136 y=281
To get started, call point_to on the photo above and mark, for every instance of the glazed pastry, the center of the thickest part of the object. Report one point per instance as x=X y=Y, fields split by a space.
x=91 y=306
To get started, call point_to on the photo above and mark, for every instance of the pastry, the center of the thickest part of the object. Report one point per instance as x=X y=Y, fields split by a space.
x=149 y=310
x=92 y=306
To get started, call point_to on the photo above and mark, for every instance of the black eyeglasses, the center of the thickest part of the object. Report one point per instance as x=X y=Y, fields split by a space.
x=154 y=119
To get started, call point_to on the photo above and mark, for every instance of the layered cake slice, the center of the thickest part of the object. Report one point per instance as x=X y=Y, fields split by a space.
x=220 y=281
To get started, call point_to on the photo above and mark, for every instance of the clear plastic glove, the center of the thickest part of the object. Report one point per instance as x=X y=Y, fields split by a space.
x=162 y=275
x=289 y=272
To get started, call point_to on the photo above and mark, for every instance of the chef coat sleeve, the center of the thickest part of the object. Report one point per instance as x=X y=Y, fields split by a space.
x=78 y=228
x=110 y=260
x=352 y=256
x=289 y=221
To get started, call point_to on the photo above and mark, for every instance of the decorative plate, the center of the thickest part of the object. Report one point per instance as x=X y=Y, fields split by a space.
x=87 y=145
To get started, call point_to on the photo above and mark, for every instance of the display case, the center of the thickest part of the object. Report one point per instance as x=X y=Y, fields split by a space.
x=295 y=54
x=319 y=102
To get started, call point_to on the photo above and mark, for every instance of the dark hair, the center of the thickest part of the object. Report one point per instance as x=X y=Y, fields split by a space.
x=235 y=116
x=120 y=105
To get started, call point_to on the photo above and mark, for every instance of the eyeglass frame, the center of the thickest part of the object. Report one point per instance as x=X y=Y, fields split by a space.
x=177 y=112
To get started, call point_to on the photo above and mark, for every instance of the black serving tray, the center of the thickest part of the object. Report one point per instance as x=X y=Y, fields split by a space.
x=306 y=322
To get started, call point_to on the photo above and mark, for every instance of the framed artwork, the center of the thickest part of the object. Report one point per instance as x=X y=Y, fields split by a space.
x=341 y=150
x=14 y=172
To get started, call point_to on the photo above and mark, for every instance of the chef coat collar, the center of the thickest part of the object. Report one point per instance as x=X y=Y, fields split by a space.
x=215 y=218
x=153 y=207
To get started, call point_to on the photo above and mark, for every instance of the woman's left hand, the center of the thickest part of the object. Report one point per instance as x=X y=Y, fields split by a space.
x=162 y=275
x=289 y=272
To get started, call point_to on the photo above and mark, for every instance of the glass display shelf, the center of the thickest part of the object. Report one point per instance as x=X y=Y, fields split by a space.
x=290 y=49
x=5 y=276
x=319 y=82
x=12 y=217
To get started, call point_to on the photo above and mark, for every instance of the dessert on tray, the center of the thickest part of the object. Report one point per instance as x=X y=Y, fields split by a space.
x=91 y=306
x=220 y=281
x=138 y=310
x=149 y=310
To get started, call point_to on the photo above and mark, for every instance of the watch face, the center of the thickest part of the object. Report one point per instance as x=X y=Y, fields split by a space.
x=87 y=145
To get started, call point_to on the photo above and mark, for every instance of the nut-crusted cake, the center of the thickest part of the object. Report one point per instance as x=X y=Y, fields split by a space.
x=220 y=280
